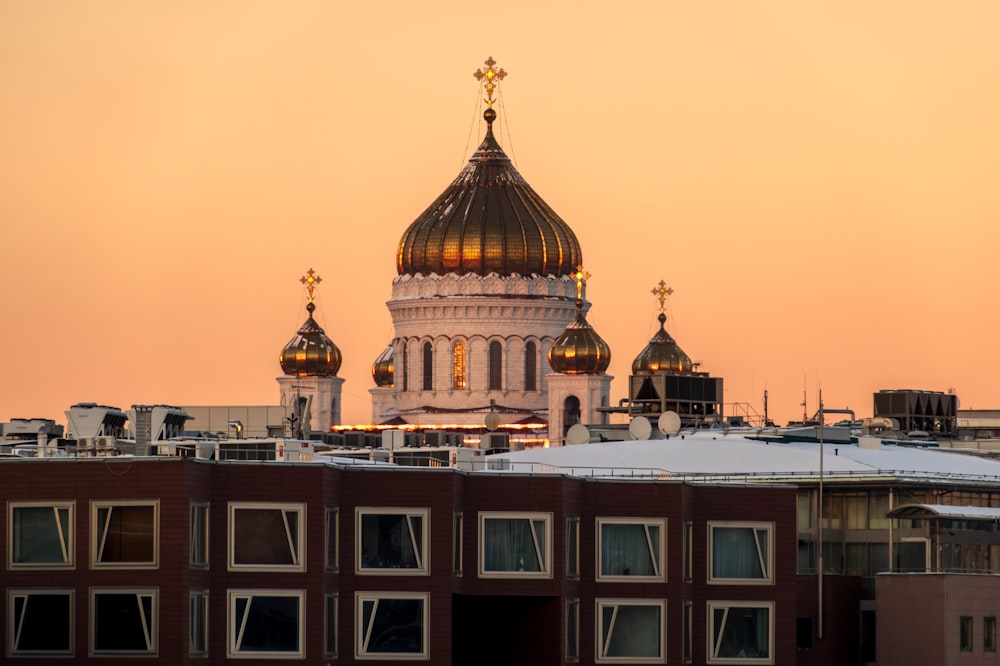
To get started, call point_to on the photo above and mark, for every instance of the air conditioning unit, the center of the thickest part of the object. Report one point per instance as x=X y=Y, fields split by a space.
x=495 y=441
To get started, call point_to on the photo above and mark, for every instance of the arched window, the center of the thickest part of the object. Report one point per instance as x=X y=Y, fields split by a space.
x=530 y=367
x=496 y=367
x=428 y=367
x=571 y=413
x=405 y=370
x=458 y=380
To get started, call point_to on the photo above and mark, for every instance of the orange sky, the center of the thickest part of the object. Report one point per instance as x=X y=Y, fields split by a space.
x=816 y=181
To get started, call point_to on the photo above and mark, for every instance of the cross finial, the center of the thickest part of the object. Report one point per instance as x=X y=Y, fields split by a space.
x=492 y=76
x=310 y=280
x=580 y=276
x=661 y=291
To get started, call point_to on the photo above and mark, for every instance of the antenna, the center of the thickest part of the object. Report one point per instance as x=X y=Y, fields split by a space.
x=640 y=428
x=578 y=434
x=669 y=423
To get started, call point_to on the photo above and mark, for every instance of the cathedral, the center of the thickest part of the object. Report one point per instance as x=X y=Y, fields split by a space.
x=489 y=314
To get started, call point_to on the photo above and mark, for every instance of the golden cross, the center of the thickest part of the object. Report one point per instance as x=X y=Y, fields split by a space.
x=490 y=74
x=580 y=276
x=310 y=280
x=661 y=292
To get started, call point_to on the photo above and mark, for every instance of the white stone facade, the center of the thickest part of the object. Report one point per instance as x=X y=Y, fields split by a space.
x=326 y=398
x=592 y=391
x=478 y=312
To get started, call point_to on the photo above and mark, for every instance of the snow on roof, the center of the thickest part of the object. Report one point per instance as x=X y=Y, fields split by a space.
x=713 y=454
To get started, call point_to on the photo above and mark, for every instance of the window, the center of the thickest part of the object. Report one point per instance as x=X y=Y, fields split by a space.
x=687 y=549
x=573 y=547
x=428 y=367
x=40 y=534
x=266 y=624
x=40 y=622
x=330 y=626
x=740 y=632
x=530 y=367
x=965 y=633
x=990 y=634
x=631 y=631
x=741 y=553
x=392 y=541
x=405 y=369
x=265 y=537
x=688 y=632
x=458 y=378
x=456 y=546
x=198 y=623
x=123 y=621
x=199 y=534
x=804 y=633
x=630 y=549
x=572 y=629
x=515 y=545
x=331 y=526
x=391 y=625
x=495 y=366
x=124 y=534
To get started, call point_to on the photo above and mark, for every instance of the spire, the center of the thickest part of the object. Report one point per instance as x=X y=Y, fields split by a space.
x=579 y=350
x=311 y=351
x=662 y=354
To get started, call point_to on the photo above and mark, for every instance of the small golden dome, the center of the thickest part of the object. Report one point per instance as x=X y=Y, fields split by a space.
x=310 y=352
x=661 y=355
x=382 y=368
x=579 y=350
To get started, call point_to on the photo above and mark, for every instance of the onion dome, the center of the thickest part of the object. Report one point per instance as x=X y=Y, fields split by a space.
x=382 y=368
x=579 y=350
x=489 y=220
x=310 y=352
x=661 y=355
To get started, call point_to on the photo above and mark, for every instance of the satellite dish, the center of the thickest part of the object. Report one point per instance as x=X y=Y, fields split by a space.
x=640 y=428
x=578 y=434
x=669 y=423
x=492 y=421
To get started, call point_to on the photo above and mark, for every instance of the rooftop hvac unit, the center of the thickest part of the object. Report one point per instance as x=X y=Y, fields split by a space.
x=393 y=439
x=354 y=440
x=435 y=438
x=495 y=441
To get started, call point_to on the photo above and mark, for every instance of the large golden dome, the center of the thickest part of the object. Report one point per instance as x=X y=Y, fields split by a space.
x=310 y=352
x=661 y=355
x=489 y=220
x=579 y=350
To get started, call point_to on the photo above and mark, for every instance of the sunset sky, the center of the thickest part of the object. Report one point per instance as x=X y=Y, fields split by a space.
x=817 y=181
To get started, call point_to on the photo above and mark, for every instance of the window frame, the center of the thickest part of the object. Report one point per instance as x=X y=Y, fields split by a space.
x=457 y=545
x=530 y=367
x=199 y=506
x=361 y=653
x=198 y=600
x=711 y=607
x=601 y=642
x=331 y=601
x=768 y=578
x=427 y=354
x=573 y=547
x=494 y=366
x=331 y=540
x=67 y=540
x=544 y=554
x=13 y=593
x=659 y=561
x=989 y=633
x=96 y=546
x=233 y=638
x=423 y=556
x=151 y=625
x=571 y=631
x=966 y=633
x=300 y=537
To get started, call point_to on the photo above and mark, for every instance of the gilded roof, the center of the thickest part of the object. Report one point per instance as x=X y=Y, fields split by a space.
x=662 y=354
x=489 y=220
x=310 y=352
x=383 y=367
x=579 y=350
